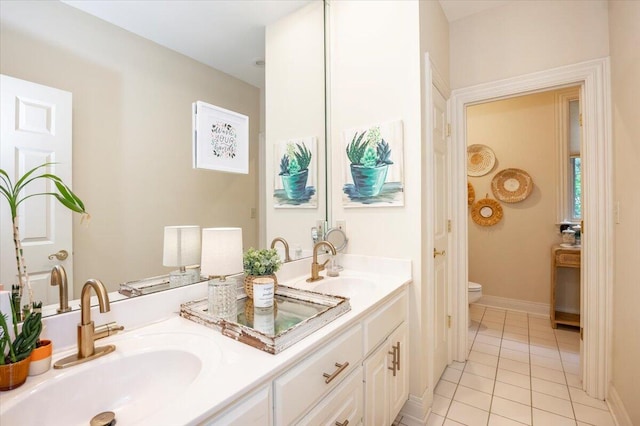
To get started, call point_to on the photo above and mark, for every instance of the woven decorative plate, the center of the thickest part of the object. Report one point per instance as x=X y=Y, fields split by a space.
x=511 y=185
x=471 y=194
x=480 y=160
x=486 y=212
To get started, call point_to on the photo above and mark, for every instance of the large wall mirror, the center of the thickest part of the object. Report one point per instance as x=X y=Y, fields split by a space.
x=131 y=72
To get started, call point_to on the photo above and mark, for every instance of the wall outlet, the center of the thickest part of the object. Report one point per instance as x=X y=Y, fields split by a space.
x=320 y=228
x=342 y=225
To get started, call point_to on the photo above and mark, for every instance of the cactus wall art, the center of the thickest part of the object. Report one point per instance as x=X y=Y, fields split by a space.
x=373 y=166
x=296 y=175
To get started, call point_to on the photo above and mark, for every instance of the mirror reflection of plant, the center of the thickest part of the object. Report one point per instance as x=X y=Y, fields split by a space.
x=370 y=151
x=295 y=160
x=13 y=193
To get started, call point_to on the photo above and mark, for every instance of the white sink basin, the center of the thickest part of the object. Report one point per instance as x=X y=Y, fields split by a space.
x=146 y=373
x=345 y=286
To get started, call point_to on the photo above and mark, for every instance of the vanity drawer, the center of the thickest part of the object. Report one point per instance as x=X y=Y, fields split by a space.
x=344 y=403
x=568 y=259
x=304 y=384
x=380 y=324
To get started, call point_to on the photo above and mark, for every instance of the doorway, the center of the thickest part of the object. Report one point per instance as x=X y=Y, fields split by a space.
x=593 y=77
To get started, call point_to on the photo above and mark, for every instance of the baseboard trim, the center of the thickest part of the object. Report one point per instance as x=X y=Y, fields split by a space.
x=417 y=408
x=620 y=415
x=535 y=308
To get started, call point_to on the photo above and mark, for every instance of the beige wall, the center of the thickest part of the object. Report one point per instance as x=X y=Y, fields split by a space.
x=526 y=36
x=512 y=258
x=132 y=135
x=295 y=109
x=624 y=17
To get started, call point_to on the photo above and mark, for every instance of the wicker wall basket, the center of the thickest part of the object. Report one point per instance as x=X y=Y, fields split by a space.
x=248 y=283
x=480 y=160
x=486 y=212
x=511 y=185
x=471 y=194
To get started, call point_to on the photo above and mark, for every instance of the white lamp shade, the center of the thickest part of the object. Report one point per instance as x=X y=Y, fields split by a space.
x=221 y=251
x=181 y=245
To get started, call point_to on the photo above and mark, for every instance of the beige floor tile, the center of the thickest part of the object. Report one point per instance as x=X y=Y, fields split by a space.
x=486 y=348
x=570 y=357
x=481 y=370
x=451 y=375
x=434 y=420
x=569 y=347
x=514 y=355
x=515 y=337
x=440 y=405
x=445 y=388
x=491 y=340
x=511 y=410
x=513 y=393
x=542 y=342
x=515 y=379
x=496 y=420
x=546 y=362
x=592 y=415
x=552 y=404
x=573 y=380
x=457 y=365
x=490 y=332
x=550 y=388
x=493 y=325
x=515 y=346
x=544 y=418
x=485 y=359
x=515 y=366
x=548 y=374
x=571 y=368
x=544 y=351
x=472 y=381
x=467 y=415
x=473 y=398
x=449 y=422
x=510 y=328
x=579 y=396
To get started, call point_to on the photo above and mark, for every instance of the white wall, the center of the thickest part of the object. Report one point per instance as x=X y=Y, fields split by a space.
x=526 y=36
x=624 y=19
x=132 y=135
x=295 y=108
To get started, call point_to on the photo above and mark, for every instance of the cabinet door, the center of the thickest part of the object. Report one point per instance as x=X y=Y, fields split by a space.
x=254 y=410
x=399 y=385
x=376 y=391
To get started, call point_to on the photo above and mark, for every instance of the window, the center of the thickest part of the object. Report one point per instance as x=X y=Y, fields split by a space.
x=569 y=128
x=575 y=165
x=576 y=188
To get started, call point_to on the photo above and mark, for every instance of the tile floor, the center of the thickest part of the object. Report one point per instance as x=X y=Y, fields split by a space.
x=519 y=371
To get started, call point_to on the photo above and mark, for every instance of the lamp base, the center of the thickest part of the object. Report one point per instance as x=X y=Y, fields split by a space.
x=223 y=298
x=179 y=278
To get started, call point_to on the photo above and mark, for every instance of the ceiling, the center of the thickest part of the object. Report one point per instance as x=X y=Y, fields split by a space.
x=225 y=34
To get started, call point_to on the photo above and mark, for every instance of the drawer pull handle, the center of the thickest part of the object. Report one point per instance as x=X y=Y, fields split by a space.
x=398 y=362
x=329 y=377
x=394 y=362
x=345 y=423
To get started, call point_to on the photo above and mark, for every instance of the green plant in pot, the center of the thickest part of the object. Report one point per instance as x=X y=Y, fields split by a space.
x=15 y=195
x=15 y=355
x=260 y=263
x=294 y=170
x=370 y=157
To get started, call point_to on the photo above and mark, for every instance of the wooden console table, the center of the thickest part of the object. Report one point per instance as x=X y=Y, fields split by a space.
x=562 y=257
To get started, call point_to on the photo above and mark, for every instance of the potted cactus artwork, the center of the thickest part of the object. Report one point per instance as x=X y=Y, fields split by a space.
x=370 y=157
x=294 y=170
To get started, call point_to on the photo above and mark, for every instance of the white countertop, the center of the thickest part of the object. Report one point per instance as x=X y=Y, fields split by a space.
x=242 y=367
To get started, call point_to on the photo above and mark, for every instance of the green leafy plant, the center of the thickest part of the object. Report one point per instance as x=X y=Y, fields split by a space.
x=261 y=262
x=25 y=341
x=295 y=160
x=14 y=194
x=368 y=149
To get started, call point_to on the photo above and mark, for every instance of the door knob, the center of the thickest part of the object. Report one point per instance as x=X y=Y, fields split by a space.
x=61 y=255
x=438 y=253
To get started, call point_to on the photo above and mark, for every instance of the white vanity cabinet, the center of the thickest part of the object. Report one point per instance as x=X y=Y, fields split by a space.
x=254 y=410
x=386 y=373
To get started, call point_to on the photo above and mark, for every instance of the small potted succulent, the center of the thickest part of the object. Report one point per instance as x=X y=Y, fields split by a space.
x=260 y=263
x=294 y=170
x=370 y=157
x=15 y=356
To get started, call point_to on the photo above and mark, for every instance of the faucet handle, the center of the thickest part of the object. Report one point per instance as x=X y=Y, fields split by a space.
x=106 y=330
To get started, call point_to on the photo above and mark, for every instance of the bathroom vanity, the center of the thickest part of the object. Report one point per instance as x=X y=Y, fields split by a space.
x=562 y=257
x=169 y=370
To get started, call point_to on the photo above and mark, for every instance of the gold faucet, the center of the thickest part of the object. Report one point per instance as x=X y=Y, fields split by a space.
x=88 y=333
x=59 y=278
x=315 y=266
x=287 y=258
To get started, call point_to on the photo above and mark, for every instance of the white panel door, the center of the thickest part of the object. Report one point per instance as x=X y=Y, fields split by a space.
x=441 y=234
x=35 y=128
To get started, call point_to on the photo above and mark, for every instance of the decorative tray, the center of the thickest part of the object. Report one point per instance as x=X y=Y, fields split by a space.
x=147 y=285
x=295 y=315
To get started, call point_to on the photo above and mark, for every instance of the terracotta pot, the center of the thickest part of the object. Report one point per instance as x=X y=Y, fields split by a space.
x=41 y=358
x=14 y=375
x=248 y=283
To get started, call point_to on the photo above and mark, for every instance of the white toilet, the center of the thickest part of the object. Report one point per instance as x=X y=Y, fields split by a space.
x=475 y=292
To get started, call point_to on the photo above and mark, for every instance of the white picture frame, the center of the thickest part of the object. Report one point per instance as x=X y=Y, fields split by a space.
x=220 y=139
